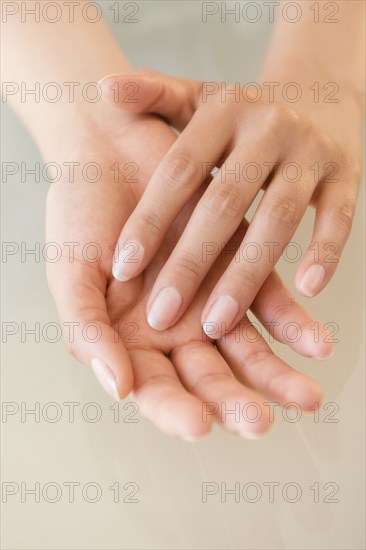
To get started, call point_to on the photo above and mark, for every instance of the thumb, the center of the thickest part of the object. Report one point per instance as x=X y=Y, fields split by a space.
x=148 y=91
x=79 y=293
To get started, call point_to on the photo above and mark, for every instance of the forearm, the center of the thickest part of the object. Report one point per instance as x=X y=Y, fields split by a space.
x=69 y=54
x=307 y=51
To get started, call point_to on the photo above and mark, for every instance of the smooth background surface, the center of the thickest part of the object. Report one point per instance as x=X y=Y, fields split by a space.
x=170 y=512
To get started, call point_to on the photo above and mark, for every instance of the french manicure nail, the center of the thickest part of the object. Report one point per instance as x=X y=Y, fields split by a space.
x=220 y=316
x=314 y=345
x=312 y=280
x=325 y=356
x=128 y=259
x=194 y=438
x=164 y=308
x=106 y=377
x=253 y=436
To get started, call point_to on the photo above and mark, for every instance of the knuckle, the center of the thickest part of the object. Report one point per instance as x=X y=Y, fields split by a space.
x=282 y=311
x=151 y=222
x=249 y=279
x=255 y=357
x=283 y=213
x=188 y=266
x=342 y=216
x=157 y=380
x=204 y=381
x=224 y=201
x=178 y=169
x=245 y=278
x=281 y=115
x=323 y=142
x=226 y=107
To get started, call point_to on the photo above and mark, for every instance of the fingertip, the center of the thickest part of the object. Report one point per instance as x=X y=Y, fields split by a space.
x=311 y=282
x=194 y=433
x=164 y=310
x=184 y=420
x=304 y=393
x=315 y=342
x=128 y=260
x=122 y=90
x=253 y=436
x=314 y=400
x=255 y=432
x=116 y=383
x=258 y=427
x=106 y=79
x=106 y=83
x=326 y=354
x=105 y=377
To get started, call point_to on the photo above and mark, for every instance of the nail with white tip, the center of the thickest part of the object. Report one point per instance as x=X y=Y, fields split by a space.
x=106 y=377
x=127 y=260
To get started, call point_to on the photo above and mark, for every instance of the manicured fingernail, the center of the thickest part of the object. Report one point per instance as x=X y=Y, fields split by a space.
x=312 y=280
x=327 y=355
x=254 y=436
x=127 y=260
x=102 y=80
x=106 y=377
x=194 y=438
x=220 y=316
x=164 y=308
x=316 y=344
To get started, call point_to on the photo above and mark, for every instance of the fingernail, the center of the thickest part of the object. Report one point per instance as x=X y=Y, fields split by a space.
x=220 y=316
x=164 y=308
x=127 y=261
x=254 y=436
x=194 y=438
x=312 y=280
x=109 y=77
x=325 y=356
x=316 y=343
x=103 y=79
x=106 y=377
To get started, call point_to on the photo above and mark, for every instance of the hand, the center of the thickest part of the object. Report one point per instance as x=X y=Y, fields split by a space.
x=256 y=145
x=172 y=373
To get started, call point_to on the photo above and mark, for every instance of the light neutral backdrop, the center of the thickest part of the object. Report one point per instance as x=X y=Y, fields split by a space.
x=168 y=473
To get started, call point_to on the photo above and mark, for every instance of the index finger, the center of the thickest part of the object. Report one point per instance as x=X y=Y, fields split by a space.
x=181 y=172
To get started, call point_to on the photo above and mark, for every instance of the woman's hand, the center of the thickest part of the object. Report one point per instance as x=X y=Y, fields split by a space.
x=179 y=378
x=255 y=144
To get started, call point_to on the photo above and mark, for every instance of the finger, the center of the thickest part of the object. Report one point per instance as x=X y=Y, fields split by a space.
x=272 y=227
x=334 y=215
x=79 y=292
x=205 y=373
x=253 y=363
x=173 y=183
x=162 y=398
x=286 y=321
x=277 y=310
x=148 y=91
x=213 y=222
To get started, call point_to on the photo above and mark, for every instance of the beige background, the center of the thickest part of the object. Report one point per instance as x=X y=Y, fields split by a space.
x=169 y=473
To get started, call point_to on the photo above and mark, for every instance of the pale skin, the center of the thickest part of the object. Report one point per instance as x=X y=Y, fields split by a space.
x=170 y=373
x=306 y=153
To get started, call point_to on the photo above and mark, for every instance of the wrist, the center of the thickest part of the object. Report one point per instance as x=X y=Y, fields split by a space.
x=63 y=127
x=124 y=151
